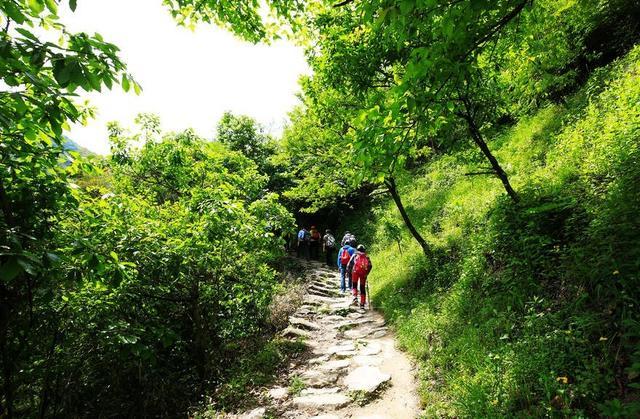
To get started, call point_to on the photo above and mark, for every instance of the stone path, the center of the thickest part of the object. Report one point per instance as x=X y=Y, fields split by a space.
x=352 y=368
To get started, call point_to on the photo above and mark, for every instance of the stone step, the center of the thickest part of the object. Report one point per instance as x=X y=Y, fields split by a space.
x=316 y=378
x=367 y=379
x=314 y=390
x=303 y=324
x=322 y=286
x=322 y=401
x=335 y=365
x=295 y=332
x=278 y=393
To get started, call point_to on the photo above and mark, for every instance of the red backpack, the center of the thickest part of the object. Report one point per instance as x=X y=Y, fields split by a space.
x=345 y=256
x=362 y=265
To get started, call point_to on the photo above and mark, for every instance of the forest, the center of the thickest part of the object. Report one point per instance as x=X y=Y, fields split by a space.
x=486 y=151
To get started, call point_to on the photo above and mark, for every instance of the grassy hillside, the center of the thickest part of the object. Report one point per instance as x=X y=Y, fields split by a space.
x=529 y=310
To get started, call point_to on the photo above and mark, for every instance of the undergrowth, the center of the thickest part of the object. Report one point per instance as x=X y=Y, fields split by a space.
x=524 y=310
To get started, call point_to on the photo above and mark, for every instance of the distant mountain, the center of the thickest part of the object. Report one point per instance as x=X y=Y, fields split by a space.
x=71 y=145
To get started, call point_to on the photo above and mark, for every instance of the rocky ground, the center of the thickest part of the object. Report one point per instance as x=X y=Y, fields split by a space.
x=352 y=368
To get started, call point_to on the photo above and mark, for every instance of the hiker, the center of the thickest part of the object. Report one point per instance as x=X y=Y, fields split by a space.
x=303 y=243
x=344 y=255
x=359 y=267
x=328 y=246
x=314 y=243
x=347 y=238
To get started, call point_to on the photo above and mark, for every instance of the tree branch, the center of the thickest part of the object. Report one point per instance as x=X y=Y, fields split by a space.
x=343 y=3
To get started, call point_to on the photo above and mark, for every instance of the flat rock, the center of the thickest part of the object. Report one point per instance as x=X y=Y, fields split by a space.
x=357 y=333
x=346 y=346
x=378 y=334
x=320 y=298
x=341 y=324
x=322 y=401
x=278 y=393
x=295 y=332
x=315 y=378
x=366 y=379
x=333 y=318
x=316 y=292
x=319 y=360
x=371 y=349
x=303 y=323
x=336 y=365
x=345 y=354
x=329 y=390
x=367 y=360
x=257 y=413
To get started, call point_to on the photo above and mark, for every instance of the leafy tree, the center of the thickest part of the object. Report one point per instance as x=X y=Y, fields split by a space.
x=243 y=134
x=244 y=18
x=40 y=80
x=317 y=147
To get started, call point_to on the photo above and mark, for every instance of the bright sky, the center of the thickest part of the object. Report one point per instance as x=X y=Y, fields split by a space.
x=189 y=78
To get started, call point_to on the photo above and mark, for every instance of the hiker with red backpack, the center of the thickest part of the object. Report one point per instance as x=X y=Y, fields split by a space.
x=314 y=242
x=344 y=255
x=359 y=267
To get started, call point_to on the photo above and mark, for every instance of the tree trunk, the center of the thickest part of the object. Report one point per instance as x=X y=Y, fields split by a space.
x=497 y=169
x=393 y=190
x=5 y=206
x=7 y=376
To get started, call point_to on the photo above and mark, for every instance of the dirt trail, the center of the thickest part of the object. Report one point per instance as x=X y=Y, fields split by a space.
x=352 y=368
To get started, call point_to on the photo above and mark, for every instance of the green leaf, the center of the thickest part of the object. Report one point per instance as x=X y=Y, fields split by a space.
x=26 y=34
x=10 y=269
x=53 y=258
x=62 y=72
x=27 y=266
x=14 y=12
x=125 y=83
x=52 y=6
x=73 y=4
x=36 y=6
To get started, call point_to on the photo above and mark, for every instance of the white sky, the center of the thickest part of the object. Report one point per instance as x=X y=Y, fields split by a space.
x=189 y=78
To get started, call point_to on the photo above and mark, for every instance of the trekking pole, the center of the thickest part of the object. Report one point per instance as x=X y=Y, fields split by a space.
x=368 y=295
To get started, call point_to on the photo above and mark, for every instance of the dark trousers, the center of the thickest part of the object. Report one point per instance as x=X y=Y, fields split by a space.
x=329 y=256
x=314 y=249
x=303 y=249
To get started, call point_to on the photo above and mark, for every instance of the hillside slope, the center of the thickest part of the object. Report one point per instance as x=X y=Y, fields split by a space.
x=528 y=310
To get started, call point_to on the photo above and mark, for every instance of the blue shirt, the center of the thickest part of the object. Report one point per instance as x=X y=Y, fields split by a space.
x=349 y=249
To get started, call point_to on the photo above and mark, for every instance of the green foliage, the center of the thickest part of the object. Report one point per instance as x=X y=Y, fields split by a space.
x=40 y=80
x=257 y=370
x=317 y=152
x=296 y=385
x=244 y=135
x=528 y=310
x=244 y=18
x=162 y=272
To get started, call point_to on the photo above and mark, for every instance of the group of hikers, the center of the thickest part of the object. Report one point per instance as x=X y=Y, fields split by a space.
x=352 y=259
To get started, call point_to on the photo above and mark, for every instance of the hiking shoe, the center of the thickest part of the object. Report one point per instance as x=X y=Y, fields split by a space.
x=362 y=306
x=354 y=302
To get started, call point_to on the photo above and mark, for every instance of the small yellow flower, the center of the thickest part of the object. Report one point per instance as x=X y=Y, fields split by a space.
x=563 y=380
x=603 y=338
x=616 y=272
